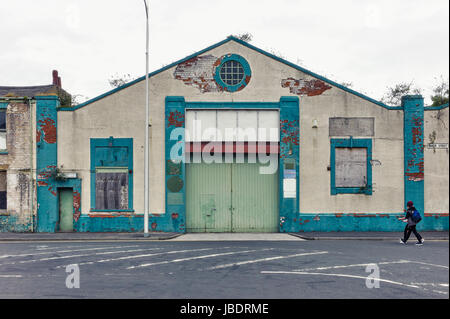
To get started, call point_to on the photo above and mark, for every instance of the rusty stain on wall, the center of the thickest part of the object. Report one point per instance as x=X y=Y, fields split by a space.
x=305 y=87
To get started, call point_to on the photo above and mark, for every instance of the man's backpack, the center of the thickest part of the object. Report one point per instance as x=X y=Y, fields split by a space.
x=416 y=216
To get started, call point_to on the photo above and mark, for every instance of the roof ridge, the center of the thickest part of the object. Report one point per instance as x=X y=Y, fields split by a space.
x=244 y=43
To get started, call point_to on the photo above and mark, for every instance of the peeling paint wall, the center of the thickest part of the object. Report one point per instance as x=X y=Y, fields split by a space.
x=18 y=216
x=122 y=115
x=199 y=73
x=305 y=87
x=436 y=162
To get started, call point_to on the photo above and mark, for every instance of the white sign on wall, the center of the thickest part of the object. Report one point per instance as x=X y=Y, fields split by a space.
x=289 y=188
x=438 y=146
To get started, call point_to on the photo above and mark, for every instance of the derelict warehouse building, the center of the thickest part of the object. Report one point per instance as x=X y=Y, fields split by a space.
x=240 y=141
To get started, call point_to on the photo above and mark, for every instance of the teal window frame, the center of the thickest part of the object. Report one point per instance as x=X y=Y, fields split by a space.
x=115 y=142
x=350 y=143
x=247 y=73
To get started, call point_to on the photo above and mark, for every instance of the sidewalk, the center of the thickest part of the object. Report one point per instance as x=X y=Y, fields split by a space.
x=427 y=235
x=152 y=236
x=155 y=236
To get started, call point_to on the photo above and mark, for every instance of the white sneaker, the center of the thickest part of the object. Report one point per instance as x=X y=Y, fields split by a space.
x=402 y=242
x=420 y=243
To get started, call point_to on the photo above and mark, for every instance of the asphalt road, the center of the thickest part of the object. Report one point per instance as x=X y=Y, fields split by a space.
x=224 y=269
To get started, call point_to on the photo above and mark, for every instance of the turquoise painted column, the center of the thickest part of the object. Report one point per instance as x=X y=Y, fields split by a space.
x=289 y=183
x=175 y=164
x=46 y=161
x=413 y=107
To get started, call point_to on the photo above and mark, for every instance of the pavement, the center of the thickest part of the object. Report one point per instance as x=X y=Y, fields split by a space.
x=157 y=236
x=427 y=235
x=152 y=236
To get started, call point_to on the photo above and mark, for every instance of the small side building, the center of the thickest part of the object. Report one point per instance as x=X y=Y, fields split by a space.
x=18 y=200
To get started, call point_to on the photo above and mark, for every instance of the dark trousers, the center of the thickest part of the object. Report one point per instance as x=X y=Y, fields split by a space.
x=407 y=233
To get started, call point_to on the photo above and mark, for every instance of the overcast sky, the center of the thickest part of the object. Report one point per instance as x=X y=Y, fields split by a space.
x=371 y=43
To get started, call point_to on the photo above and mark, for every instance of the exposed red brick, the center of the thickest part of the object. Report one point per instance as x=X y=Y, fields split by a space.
x=76 y=205
x=305 y=87
x=49 y=129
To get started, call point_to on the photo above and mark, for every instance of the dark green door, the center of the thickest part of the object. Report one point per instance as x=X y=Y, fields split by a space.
x=230 y=198
x=65 y=209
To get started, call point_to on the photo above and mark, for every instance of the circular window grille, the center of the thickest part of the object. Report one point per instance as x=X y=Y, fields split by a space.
x=232 y=72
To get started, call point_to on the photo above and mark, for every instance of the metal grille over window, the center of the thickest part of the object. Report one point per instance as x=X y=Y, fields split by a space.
x=111 y=188
x=232 y=72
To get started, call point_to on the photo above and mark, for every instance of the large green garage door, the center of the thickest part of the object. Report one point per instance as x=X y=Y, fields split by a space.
x=230 y=198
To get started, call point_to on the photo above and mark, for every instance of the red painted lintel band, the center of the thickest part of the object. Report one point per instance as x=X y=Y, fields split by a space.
x=235 y=147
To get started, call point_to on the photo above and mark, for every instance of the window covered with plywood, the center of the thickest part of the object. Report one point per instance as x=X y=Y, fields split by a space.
x=112 y=174
x=350 y=166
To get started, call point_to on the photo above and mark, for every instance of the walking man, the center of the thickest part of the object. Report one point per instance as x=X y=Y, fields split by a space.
x=411 y=221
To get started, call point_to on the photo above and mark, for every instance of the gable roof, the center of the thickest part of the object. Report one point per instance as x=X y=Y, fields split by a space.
x=26 y=91
x=232 y=38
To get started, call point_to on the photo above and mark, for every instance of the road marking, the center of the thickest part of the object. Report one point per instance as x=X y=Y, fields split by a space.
x=422 y=263
x=429 y=284
x=336 y=275
x=264 y=259
x=10 y=276
x=196 y=257
x=66 y=251
x=354 y=265
x=441 y=292
x=74 y=256
x=141 y=256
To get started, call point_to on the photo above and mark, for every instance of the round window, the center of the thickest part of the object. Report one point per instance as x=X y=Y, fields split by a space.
x=233 y=73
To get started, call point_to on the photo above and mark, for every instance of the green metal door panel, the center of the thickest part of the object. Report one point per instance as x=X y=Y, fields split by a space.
x=208 y=197
x=254 y=198
x=66 y=210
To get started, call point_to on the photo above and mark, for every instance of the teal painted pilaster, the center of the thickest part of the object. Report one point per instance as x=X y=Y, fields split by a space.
x=289 y=164
x=413 y=151
x=46 y=164
x=175 y=165
x=46 y=161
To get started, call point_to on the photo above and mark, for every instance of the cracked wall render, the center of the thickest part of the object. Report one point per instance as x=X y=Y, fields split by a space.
x=17 y=162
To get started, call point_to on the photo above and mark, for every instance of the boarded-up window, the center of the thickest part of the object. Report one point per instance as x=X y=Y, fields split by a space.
x=352 y=126
x=111 y=188
x=351 y=167
x=3 y=190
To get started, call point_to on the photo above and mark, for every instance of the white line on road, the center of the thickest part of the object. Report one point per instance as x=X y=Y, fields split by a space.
x=264 y=259
x=141 y=256
x=354 y=265
x=66 y=251
x=336 y=275
x=10 y=276
x=422 y=263
x=197 y=257
x=75 y=256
